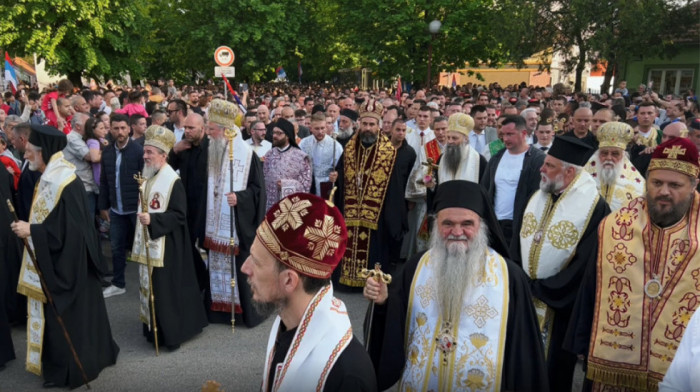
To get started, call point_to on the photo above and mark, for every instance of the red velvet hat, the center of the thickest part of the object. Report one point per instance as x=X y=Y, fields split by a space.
x=678 y=154
x=306 y=233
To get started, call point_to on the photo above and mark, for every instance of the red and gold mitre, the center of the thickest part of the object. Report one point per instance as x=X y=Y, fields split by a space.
x=371 y=108
x=305 y=233
x=678 y=154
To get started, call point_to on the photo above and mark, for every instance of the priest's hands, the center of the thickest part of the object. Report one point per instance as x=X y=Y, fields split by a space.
x=333 y=176
x=21 y=229
x=231 y=199
x=144 y=218
x=376 y=291
x=104 y=214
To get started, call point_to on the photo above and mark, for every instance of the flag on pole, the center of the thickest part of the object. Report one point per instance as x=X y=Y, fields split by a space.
x=398 y=90
x=454 y=81
x=234 y=94
x=300 y=71
x=10 y=75
x=280 y=73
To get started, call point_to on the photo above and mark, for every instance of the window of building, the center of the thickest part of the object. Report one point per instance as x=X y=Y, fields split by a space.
x=671 y=81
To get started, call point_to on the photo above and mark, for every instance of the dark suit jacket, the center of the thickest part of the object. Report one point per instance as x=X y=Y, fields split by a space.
x=528 y=183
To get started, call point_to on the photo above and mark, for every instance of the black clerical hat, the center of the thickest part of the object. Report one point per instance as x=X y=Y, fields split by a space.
x=470 y=195
x=288 y=129
x=349 y=113
x=49 y=139
x=571 y=150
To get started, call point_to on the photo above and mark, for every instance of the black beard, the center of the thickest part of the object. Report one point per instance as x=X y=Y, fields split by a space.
x=676 y=213
x=266 y=309
x=452 y=157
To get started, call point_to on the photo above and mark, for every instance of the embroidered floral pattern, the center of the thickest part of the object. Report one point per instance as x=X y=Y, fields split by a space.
x=620 y=258
x=618 y=301
x=481 y=311
x=563 y=235
x=290 y=213
x=324 y=238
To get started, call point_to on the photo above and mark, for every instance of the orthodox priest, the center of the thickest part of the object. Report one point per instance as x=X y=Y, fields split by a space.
x=62 y=234
x=370 y=194
x=617 y=179
x=458 y=316
x=167 y=268
x=558 y=238
x=637 y=298
x=11 y=251
x=246 y=202
x=311 y=345
x=287 y=169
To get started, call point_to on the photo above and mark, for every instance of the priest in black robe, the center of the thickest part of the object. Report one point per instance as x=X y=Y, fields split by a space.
x=66 y=246
x=179 y=311
x=558 y=238
x=465 y=221
x=9 y=248
x=371 y=196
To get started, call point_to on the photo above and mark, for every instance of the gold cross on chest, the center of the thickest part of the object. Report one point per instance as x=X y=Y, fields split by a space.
x=674 y=151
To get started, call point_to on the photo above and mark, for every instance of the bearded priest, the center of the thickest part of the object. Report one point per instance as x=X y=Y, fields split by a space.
x=460 y=315
x=179 y=312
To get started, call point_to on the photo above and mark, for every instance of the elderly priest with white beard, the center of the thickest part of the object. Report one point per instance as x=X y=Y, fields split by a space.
x=458 y=316
x=619 y=182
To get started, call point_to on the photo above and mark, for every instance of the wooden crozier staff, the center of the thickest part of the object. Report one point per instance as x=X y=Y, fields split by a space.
x=49 y=297
x=380 y=276
x=144 y=208
x=230 y=135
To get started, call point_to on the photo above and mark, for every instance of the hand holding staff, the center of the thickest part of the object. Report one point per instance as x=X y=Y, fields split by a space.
x=230 y=135
x=49 y=297
x=376 y=291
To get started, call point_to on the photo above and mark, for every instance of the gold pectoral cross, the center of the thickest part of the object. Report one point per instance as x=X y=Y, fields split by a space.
x=431 y=166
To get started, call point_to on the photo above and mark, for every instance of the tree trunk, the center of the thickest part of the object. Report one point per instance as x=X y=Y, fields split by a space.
x=610 y=71
x=75 y=78
x=581 y=62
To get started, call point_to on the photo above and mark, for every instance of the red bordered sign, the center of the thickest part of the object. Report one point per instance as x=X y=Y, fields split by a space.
x=223 y=55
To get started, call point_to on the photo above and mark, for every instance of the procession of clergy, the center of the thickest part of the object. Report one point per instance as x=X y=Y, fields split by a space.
x=504 y=272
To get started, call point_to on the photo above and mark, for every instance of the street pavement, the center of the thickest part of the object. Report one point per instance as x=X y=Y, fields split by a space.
x=235 y=360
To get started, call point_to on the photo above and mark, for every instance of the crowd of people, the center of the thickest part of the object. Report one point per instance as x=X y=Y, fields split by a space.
x=526 y=228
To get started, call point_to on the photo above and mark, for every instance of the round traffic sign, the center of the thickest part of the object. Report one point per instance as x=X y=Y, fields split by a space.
x=223 y=55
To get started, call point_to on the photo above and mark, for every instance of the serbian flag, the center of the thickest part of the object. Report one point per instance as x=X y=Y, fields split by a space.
x=234 y=94
x=280 y=73
x=10 y=75
x=398 y=89
x=454 y=81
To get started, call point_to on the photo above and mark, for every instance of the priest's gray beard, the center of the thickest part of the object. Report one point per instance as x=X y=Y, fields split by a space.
x=453 y=156
x=368 y=137
x=459 y=266
x=345 y=133
x=552 y=186
x=149 y=171
x=217 y=148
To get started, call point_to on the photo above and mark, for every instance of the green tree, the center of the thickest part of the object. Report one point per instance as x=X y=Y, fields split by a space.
x=101 y=39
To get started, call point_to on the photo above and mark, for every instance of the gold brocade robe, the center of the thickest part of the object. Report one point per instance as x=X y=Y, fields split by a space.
x=648 y=286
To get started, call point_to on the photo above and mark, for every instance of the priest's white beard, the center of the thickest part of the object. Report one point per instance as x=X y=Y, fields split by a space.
x=609 y=171
x=552 y=186
x=345 y=133
x=149 y=171
x=217 y=148
x=459 y=266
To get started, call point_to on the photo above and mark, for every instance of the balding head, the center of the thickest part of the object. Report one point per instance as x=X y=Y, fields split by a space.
x=79 y=104
x=674 y=130
x=194 y=128
x=582 y=121
x=601 y=117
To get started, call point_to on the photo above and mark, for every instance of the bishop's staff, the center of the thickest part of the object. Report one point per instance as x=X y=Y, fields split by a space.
x=230 y=135
x=49 y=297
x=377 y=274
x=144 y=208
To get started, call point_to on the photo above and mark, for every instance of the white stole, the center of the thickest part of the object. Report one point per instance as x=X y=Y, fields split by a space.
x=477 y=360
x=322 y=335
x=218 y=226
x=157 y=190
x=468 y=169
x=57 y=175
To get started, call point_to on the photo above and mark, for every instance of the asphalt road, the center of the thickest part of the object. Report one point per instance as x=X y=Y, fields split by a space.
x=234 y=359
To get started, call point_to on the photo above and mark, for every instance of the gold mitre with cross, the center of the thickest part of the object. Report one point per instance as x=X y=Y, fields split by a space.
x=223 y=113
x=159 y=137
x=615 y=134
x=460 y=122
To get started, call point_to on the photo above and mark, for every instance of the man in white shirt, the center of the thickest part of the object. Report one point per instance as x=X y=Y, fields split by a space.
x=324 y=152
x=177 y=111
x=481 y=135
x=257 y=140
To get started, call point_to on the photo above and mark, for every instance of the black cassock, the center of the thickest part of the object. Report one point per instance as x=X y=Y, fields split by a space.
x=385 y=242
x=179 y=309
x=9 y=269
x=559 y=292
x=66 y=247
x=524 y=367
